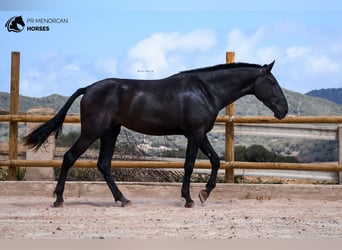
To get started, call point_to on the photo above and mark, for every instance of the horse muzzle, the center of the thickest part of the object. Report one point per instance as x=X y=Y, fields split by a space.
x=281 y=114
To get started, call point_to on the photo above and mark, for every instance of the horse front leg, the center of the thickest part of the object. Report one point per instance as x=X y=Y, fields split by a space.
x=108 y=141
x=208 y=150
x=191 y=152
x=188 y=169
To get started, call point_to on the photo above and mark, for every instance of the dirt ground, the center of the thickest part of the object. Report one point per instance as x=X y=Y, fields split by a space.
x=32 y=217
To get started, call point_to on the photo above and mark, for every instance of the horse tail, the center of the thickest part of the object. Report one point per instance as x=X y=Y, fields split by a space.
x=38 y=137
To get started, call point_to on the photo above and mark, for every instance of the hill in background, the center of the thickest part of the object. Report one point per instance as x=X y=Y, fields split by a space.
x=54 y=101
x=331 y=94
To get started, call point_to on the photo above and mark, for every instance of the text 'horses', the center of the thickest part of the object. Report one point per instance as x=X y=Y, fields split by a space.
x=186 y=104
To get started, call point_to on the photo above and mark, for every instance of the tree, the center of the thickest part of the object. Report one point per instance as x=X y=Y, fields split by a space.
x=257 y=153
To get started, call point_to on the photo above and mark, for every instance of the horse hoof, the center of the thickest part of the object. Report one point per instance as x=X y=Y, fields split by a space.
x=189 y=204
x=203 y=196
x=125 y=202
x=58 y=204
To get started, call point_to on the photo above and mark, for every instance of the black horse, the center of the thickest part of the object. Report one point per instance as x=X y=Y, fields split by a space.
x=186 y=104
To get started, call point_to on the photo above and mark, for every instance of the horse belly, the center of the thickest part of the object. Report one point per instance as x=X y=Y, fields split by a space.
x=153 y=126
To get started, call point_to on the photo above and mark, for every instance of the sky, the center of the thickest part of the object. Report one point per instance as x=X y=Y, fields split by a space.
x=151 y=39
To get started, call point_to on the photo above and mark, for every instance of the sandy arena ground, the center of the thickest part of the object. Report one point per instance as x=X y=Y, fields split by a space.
x=98 y=217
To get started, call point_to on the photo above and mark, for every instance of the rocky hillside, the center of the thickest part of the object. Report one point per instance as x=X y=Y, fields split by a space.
x=25 y=103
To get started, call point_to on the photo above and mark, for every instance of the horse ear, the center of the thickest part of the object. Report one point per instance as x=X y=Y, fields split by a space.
x=267 y=68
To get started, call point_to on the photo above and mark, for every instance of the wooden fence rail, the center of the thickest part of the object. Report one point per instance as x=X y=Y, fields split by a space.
x=229 y=119
x=177 y=164
x=220 y=119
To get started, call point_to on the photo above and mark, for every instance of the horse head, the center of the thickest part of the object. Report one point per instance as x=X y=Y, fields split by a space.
x=267 y=90
x=19 y=20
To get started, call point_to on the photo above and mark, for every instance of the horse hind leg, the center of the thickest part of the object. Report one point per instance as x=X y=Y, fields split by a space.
x=108 y=141
x=69 y=159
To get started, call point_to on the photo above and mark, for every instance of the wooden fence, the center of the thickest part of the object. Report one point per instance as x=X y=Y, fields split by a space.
x=229 y=164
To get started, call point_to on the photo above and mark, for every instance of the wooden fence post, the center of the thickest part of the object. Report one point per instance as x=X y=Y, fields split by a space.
x=14 y=110
x=339 y=138
x=229 y=148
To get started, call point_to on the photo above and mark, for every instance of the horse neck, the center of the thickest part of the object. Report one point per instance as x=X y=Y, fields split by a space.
x=227 y=87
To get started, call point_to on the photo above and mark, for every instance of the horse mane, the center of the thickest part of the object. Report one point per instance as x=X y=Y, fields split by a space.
x=220 y=67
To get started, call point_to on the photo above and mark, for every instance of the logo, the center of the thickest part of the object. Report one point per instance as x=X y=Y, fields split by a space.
x=15 y=24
